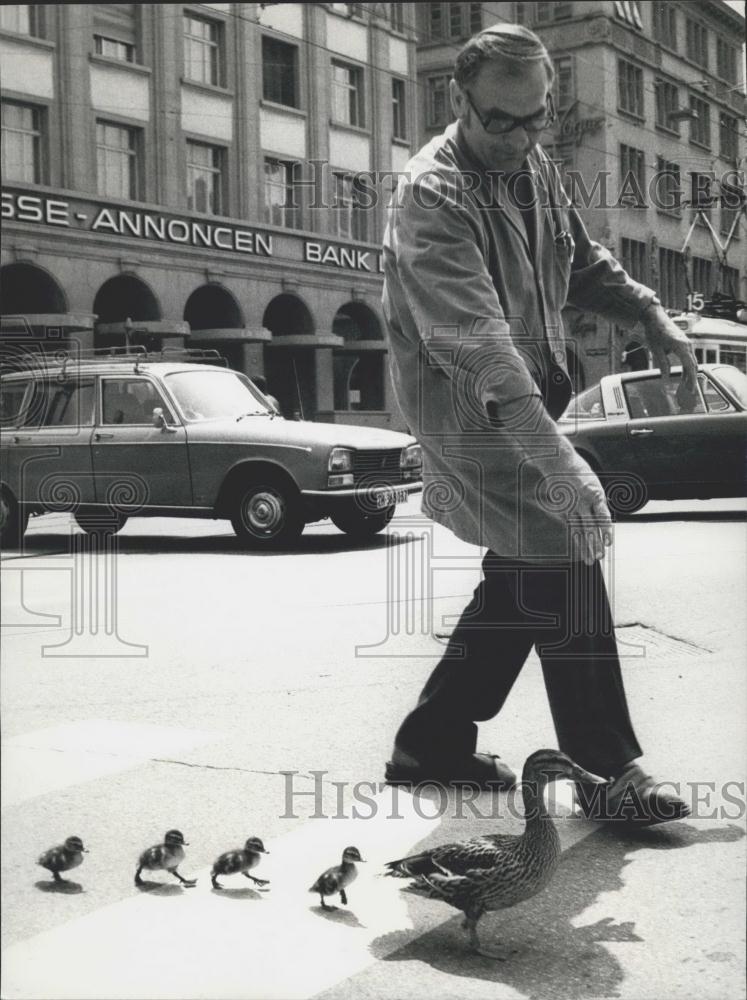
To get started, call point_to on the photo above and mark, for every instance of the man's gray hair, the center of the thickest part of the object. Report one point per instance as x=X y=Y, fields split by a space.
x=511 y=44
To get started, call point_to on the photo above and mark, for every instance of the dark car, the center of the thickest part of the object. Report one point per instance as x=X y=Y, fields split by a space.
x=113 y=437
x=648 y=439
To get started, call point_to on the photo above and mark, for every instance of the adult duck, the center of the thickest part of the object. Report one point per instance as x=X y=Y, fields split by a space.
x=499 y=870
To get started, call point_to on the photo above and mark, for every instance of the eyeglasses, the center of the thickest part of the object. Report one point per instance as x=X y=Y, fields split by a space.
x=497 y=123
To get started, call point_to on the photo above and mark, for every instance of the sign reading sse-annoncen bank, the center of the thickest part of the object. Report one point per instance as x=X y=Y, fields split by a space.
x=199 y=233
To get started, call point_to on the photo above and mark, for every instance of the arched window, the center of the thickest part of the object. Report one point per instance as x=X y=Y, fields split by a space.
x=212 y=307
x=27 y=289
x=123 y=297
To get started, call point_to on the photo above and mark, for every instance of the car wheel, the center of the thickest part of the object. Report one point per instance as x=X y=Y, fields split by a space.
x=106 y=523
x=360 y=524
x=626 y=493
x=13 y=520
x=267 y=515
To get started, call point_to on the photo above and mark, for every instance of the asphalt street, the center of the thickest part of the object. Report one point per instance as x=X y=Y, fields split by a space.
x=182 y=682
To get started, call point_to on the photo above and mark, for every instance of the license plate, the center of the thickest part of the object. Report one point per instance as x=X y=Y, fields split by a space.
x=388 y=497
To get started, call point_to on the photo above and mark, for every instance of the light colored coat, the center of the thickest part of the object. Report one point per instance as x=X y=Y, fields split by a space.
x=476 y=340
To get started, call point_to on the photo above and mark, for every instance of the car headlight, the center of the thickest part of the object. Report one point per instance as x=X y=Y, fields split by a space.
x=411 y=462
x=340 y=460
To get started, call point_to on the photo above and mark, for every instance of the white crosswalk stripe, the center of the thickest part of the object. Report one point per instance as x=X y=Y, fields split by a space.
x=198 y=943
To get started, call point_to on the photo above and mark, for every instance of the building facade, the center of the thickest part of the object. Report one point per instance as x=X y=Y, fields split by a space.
x=216 y=175
x=196 y=175
x=651 y=111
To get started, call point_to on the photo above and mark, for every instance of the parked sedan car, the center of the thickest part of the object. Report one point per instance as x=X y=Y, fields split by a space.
x=129 y=435
x=649 y=440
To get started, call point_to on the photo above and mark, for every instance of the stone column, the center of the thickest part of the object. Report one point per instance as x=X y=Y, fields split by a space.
x=252 y=358
x=246 y=112
x=165 y=51
x=324 y=375
x=381 y=113
x=318 y=98
x=75 y=169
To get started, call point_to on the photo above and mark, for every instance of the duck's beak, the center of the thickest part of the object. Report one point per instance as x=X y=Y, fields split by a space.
x=185 y=843
x=265 y=851
x=84 y=850
x=579 y=774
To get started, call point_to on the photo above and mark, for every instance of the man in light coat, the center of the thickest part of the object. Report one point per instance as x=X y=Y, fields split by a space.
x=481 y=253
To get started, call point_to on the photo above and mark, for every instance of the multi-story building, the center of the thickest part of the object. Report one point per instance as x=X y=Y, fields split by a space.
x=196 y=175
x=651 y=108
x=215 y=175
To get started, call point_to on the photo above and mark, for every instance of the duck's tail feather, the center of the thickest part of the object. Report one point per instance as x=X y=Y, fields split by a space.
x=412 y=867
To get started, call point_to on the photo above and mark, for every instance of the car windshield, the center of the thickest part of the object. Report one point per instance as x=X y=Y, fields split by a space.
x=211 y=395
x=586 y=406
x=733 y=381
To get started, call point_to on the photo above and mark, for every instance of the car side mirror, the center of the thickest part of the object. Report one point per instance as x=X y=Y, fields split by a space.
x=159 y=420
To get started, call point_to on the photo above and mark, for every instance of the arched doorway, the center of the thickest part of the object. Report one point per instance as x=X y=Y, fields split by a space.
x=35 y=316
x=290 y=366
x=213 y=309
x=356 y=321
x=635 y=357
x=26 y=288
x=359 y=365
x=119 y=299
x=126 y=296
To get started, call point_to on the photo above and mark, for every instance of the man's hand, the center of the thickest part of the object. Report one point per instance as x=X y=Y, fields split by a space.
x=592 y=524
x=665 y=337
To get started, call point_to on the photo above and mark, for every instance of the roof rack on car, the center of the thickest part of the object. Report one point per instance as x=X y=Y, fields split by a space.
x=134 y=354
x=190 y=354
x=60 y=359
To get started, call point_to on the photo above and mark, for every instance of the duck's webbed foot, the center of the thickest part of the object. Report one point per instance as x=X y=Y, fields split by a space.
x=186 y=882
x=343 y=897
x=470 y=925
x=57 y=877
x=216 y=883
x=138 y=880
x=324 y=905
x=258 y=881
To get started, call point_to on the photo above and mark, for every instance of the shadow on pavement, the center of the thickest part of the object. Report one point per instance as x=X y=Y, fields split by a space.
x=245 y=892
x=337 y=916
x=543 y=947
x=38 y=544
x=160 y=888
x=66 y=888
x=683 y=515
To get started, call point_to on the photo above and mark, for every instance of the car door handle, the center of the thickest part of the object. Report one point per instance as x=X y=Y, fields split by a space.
x=18 y=438
x=639 y=431
x=98 y=436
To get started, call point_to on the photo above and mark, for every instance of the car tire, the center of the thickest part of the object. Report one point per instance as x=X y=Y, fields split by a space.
x=360 y=524
x=267 y=514
x=100 y=524
x=13 y=520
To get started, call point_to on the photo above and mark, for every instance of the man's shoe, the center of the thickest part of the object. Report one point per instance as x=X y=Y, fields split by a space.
x=481 y=770
x=633 y=797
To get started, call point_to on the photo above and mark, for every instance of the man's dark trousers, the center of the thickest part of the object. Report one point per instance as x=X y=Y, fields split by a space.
x=563 y=611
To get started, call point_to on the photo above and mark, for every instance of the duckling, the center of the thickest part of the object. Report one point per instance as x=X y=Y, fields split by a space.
x=63 y=857
x=240 y=860
x=168 y=855
x=336 y=879
x=497 y=871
